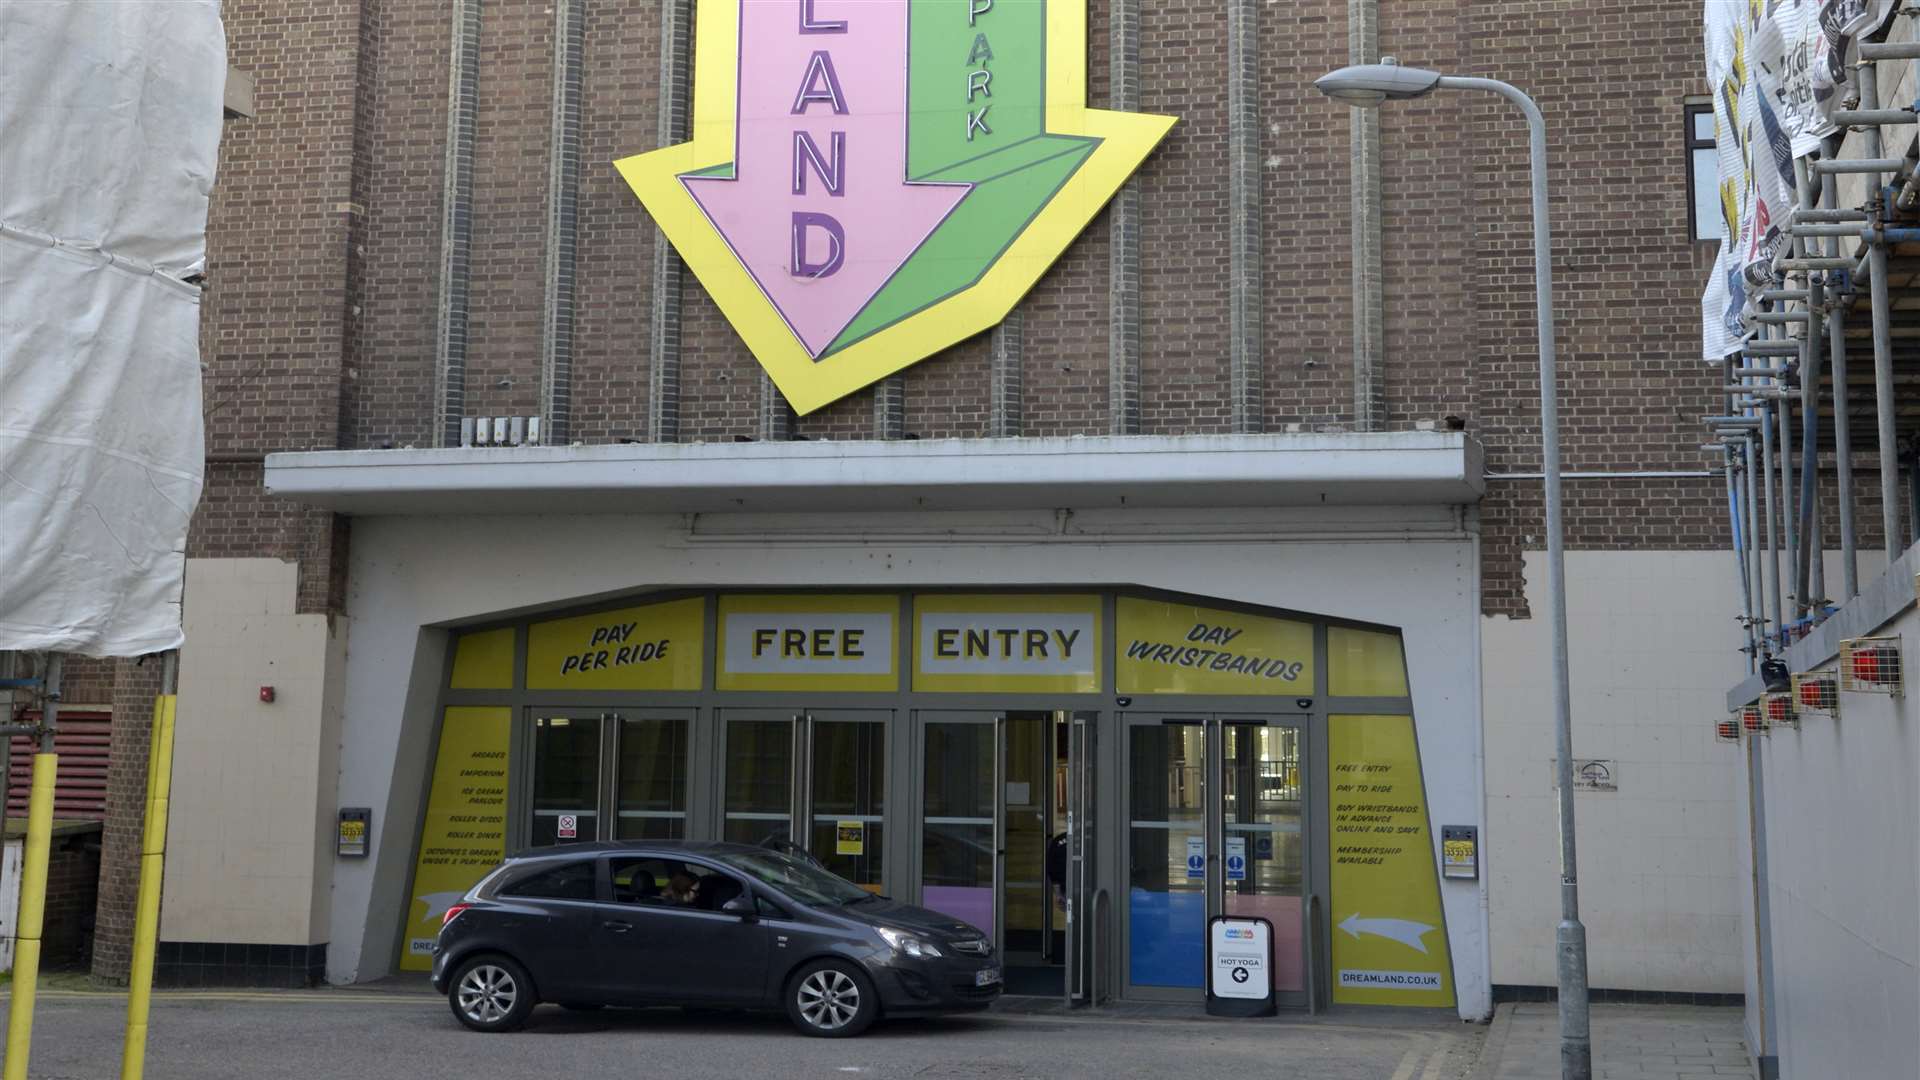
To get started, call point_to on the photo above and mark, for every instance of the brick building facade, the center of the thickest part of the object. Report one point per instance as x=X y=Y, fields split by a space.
x=328 y=262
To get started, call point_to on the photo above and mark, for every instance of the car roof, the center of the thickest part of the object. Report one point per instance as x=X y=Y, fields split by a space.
x=638 y=847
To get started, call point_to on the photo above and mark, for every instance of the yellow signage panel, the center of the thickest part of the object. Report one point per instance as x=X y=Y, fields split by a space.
x=1170 y=648
x=464 y=834
x=1389 y=939
x=483 y=661
x=809 y=643
x=651 y=647
x=1006 y=644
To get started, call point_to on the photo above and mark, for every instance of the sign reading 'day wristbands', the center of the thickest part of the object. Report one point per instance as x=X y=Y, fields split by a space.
x=653 y=647
x=808 y=642
x=1007 y=644
x=1168 y=648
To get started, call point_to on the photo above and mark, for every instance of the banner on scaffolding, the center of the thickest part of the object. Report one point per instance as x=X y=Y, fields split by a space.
x=1778 y=73
x=109 y=134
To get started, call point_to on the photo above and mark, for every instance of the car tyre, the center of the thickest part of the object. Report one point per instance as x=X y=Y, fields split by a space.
x=832 y=999
x=491 y=993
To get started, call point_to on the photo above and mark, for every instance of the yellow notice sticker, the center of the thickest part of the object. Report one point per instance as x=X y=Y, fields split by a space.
x=652 y=647
x=465 y=831
x=1389 y=940
x=849 y=837
x=1168 y=648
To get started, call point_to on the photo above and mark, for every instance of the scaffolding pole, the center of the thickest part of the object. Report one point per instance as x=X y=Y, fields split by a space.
x=1877 y=210
x=1842 y=423
x=1812 y=344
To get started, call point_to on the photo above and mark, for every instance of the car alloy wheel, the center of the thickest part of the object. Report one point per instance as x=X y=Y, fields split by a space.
x=829 y=999
x=487 y=994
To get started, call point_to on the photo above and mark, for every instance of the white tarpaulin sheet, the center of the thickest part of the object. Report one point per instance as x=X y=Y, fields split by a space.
x=110 y=117
x=1778 y=71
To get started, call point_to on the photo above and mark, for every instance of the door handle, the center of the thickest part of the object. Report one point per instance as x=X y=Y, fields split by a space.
x=618 y=927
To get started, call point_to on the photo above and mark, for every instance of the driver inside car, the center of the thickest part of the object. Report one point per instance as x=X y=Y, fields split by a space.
x=681 y=888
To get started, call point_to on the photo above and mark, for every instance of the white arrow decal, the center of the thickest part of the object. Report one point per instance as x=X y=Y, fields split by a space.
x=439 y=902
x=1401 y=930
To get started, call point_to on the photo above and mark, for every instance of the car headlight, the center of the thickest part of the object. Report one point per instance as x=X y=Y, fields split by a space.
x=907 y=943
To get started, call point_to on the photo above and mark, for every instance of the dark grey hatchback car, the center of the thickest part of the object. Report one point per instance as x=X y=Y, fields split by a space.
x=704 y=925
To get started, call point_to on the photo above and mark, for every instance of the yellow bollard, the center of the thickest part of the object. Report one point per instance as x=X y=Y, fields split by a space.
x=146 y=920
x=33 y=910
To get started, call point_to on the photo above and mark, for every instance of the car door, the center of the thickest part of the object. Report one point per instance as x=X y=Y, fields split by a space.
x=544 y=920
x=651 y=949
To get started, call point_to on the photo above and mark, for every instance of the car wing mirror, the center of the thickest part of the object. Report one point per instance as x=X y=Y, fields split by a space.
x=739 y=905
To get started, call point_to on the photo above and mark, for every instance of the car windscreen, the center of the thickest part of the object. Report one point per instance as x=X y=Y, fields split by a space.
x=803 y=881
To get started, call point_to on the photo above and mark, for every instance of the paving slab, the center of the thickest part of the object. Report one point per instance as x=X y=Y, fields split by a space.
x=1630 y=1042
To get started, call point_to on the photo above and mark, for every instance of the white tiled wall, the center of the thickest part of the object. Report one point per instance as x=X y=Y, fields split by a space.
x=1652 y=640
x=248 y=852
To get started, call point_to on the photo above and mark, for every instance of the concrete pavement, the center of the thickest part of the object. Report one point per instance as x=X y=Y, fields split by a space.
x=1630 y=1042
x=372 y=1035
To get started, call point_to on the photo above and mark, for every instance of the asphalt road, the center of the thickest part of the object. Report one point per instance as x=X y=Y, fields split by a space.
x=370 y=1035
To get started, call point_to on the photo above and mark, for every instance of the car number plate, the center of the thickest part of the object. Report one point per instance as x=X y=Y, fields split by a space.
x=986 y=977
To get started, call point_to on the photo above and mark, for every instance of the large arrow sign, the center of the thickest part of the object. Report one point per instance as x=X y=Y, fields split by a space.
x=871 y=181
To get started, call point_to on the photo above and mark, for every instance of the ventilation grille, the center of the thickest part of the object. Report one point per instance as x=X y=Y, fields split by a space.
x=1818 y=693
x=1871 y=665
x=1780 y=711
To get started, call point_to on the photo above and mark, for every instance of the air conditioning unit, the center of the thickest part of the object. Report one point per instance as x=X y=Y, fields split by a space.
x=1871 y=665
x=500 y=431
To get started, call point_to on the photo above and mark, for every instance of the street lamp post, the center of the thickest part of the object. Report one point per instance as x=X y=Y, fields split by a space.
x=1370 y=85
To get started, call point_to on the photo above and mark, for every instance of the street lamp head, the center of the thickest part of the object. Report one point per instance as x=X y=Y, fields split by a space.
x=1371 y=84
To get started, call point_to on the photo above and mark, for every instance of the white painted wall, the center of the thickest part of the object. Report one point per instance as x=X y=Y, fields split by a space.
x=249 y=837
x=1652 y=641
x=1415 y=568
x=1842 y=811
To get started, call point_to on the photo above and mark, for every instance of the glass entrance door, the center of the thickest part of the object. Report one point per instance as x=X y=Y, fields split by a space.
x=568 y=779
x=1217 y=826
x=1263 y=857
x=602 y=776
x=1001 y=843
x=813 y=780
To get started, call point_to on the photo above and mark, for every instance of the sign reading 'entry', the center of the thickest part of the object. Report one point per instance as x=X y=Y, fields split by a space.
x=1007 y=643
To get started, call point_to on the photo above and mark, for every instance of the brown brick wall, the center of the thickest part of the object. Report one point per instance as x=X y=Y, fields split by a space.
x=353 y=109
x=134 y=690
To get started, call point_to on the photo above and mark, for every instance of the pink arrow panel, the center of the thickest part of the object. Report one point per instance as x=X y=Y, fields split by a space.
x=819 y=210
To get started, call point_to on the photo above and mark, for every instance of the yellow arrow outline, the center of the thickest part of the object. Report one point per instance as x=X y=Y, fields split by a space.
x=1126 y=140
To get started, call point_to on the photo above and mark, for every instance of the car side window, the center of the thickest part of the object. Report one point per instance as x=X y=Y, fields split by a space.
x=768 y=909
x=568 y=881
x=642 y=881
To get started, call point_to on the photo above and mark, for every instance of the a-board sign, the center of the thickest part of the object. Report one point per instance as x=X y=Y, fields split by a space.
x=1240 y=967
